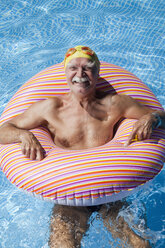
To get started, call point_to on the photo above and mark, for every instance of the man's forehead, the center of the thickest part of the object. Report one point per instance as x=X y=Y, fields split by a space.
x=81 y=61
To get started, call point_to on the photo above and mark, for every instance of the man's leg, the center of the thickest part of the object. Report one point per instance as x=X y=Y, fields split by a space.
x=119 y=228
x=68 y=224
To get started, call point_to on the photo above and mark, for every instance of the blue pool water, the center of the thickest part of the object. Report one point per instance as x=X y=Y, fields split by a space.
x=35 y=34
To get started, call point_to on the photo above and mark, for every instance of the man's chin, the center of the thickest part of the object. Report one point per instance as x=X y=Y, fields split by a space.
x=85 y=92
x=81 y=91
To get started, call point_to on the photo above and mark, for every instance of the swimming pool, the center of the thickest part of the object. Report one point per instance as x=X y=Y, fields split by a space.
x=36 y=34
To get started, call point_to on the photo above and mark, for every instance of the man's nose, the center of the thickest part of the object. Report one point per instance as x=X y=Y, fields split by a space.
x=80 y=72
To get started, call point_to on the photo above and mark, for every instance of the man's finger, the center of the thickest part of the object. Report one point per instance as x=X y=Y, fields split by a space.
x=33 y=154
x=23 y=150
x=132 y=137
x=39 y=156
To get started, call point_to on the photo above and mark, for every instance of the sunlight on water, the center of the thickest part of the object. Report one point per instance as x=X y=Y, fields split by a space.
x=36 y=34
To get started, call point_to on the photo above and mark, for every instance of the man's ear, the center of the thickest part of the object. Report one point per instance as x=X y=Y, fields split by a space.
x=98 y=74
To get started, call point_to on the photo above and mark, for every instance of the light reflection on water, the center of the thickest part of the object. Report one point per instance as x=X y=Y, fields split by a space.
x=36 y=34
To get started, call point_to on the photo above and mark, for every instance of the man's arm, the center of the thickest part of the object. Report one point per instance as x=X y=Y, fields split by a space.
x=17 y=130
x=148 y=119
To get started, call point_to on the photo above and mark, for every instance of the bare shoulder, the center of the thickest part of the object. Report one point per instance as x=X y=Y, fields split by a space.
x=53 y=102
x=114 y=99
x=118 y=100
x=43 y=107
x=122 y=100
x=120 y=97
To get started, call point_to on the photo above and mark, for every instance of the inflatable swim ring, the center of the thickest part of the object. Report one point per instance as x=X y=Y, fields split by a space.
x=83 y=177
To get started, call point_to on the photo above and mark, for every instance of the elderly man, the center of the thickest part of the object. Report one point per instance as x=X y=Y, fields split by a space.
x=83 y=118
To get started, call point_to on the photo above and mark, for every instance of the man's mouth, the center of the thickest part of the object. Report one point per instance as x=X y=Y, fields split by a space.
x=82 y=82
x=85 y=84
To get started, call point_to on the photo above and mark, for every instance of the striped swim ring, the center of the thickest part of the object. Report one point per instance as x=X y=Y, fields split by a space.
x=83 y=177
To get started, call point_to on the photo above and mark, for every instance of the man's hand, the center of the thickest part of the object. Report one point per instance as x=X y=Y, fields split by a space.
x=142 y=129
x=31 y=147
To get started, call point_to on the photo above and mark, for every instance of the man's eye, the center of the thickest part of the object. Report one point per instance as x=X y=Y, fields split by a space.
x=73 y=68
x=87 y=68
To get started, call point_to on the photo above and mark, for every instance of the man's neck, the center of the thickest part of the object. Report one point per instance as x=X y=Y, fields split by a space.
x=83 y=101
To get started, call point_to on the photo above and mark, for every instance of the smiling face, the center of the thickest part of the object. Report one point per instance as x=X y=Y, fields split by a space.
x=82 y=75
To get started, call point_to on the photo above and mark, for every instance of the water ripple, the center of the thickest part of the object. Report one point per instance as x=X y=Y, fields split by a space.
x=35 y=34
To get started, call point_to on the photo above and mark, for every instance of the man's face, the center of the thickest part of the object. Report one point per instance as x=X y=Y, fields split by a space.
x=81 y=76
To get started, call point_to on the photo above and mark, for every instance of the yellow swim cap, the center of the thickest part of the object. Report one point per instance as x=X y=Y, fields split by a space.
x=81 y=52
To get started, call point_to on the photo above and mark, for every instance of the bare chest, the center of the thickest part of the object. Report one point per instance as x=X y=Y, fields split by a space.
x=74 y=129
